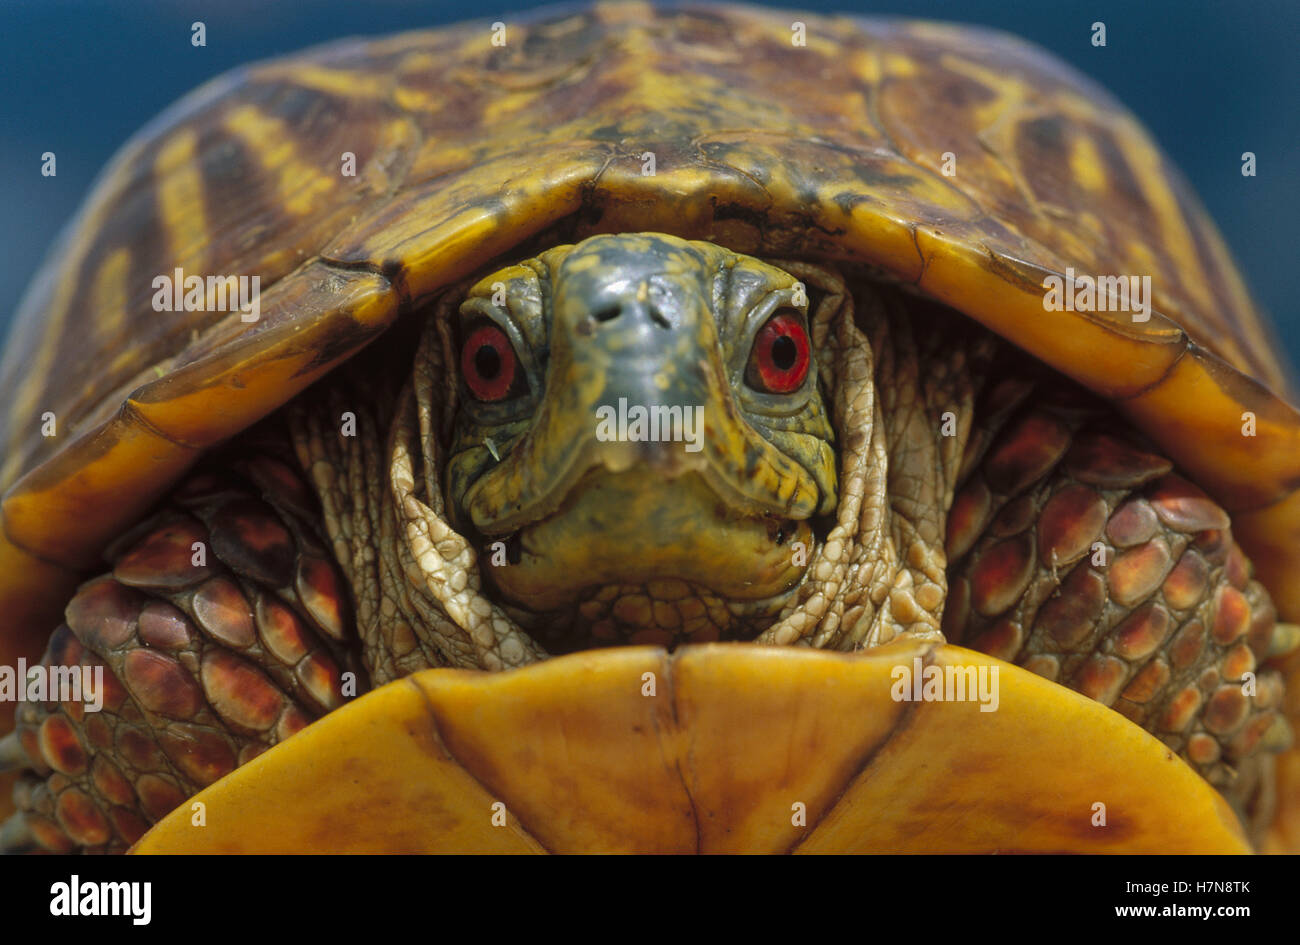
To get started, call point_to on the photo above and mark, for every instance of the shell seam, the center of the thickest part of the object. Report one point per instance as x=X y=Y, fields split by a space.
x=451 y=756
x=670 y=680
x=906 y=718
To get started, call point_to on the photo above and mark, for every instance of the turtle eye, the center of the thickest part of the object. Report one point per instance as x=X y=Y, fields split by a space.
x=781 y=356
x=488 y=364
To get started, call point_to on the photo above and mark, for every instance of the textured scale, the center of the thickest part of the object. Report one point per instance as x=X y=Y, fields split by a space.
x=207 y=662
x=1078 y=554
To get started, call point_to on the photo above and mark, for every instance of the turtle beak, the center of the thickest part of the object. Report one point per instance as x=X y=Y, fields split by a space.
x=645 y=376
x=631 y=383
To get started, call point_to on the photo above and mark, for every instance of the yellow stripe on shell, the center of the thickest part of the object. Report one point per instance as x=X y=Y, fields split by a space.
x=109 y=291
x=1086 y=165
x=271 y=141
x=419 y=61
x=865 y=64
x=348 y=84
x=181 y=203
x=1009 y=91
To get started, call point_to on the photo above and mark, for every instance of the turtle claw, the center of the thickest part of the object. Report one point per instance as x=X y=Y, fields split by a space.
x=12 y=756
x=1286 y=639
x=15 y=836
x=1279 y=736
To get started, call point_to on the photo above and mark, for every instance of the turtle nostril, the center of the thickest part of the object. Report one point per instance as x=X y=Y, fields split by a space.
x=613 y=310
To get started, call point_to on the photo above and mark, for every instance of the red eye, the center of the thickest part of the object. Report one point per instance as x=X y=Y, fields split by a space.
x=488 y=364
x=780 y=359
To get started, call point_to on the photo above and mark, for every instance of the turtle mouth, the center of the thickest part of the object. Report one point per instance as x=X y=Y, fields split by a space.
x=651 y=528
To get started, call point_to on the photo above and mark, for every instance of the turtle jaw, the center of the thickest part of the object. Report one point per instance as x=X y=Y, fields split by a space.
x=650 y=529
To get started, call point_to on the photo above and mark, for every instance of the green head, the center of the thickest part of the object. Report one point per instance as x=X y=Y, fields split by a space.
x=640 y=442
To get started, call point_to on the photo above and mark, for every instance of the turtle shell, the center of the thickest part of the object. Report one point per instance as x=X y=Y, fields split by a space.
x=706 y=122
x=712 y=749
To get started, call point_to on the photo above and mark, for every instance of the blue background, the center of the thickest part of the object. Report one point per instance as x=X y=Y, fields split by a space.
x=1210 y=79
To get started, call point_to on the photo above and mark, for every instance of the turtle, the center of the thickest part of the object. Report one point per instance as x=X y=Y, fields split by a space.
x=652 y=428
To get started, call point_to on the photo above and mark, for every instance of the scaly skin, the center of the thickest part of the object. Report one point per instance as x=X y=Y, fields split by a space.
x=1076 y=552
x=207 y=661
x=920 y=404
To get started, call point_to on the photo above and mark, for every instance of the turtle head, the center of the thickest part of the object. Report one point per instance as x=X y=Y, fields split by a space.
x=640 y=443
